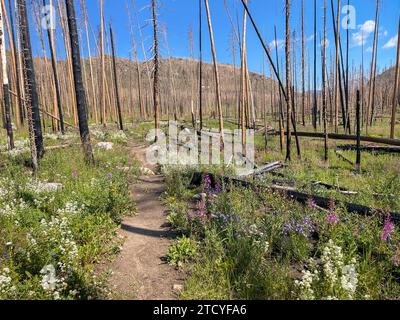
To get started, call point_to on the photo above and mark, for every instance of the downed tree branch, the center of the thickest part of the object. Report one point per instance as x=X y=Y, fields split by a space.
x=341 y=156
x=377 y=149
x=336 y=136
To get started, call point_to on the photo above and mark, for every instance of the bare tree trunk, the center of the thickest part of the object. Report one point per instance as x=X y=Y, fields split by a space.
x=358 y=160
x=243 y=77
x=6 y=87
x=55 y=74
x=324 y=100
x=303 y=84
x=121 y=124
x=103 y=66
x=288 y=83
x=315 y=107
x=32 y=100
x=156 y=69
x=221 y=119
x=200 y=67
x=395 y=101
x=372 y=71
x=94 y=101
x=20 y=102
x=281 y=115
x=78 y=82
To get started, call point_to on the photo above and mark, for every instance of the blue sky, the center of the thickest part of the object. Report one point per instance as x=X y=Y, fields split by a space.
x=180 y=15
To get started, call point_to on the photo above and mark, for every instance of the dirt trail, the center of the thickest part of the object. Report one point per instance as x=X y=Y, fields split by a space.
x=140 y=271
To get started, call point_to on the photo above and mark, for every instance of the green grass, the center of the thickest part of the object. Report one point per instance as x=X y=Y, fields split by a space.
x=55 y=227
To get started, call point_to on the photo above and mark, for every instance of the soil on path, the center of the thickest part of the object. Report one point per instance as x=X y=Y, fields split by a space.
x=140 y=271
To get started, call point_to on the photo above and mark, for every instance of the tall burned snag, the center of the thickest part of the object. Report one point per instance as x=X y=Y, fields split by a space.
x=6 y=87
x=31 y=95
x=395 y=101
x=324 y=95
x=120 y=120
x=288 y=83
x=156 y=69
x=78 y=82
x=50 y=37
x=358 y=132
x=217 y=84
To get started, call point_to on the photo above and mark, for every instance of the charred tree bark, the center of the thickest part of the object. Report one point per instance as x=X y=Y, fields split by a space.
x=288 y=83
x=32 y=99
x=78 y=82
x=121 y=124
x=156 y=69
x=358 y=159
x=324 y=96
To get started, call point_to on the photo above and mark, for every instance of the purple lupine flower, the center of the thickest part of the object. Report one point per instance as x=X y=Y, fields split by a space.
x=388 y=229
x=287 y=228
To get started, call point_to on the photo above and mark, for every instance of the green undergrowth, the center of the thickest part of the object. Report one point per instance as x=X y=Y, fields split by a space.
x=260 y=245
x=55 y=227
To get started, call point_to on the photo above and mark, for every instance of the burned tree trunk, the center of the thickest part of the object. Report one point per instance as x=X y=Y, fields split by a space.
x=17 y=69
x=221 y=120
x=358 y=160
x=55 y=74
x=395 y=89
x=121 y=125
x=6 y=87
x=31 y=99
x=78 y=82
x=324 y=96
x=315 y=107
x=288 y=82
x=303 y=93
x=156 y=69
x=372 y=71
x=200 y=67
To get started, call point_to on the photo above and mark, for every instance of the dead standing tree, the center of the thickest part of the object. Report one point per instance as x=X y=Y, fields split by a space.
x=288 y=83
x=214 y=54
x=156 y=70
x=395 y=101
x=78 y=82
x=121 y=125
x=31 y=96
x=6 y=86
x=324 y=94
x=50 y=37
x=372 y=71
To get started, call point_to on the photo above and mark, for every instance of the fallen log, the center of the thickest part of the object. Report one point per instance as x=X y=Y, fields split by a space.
x=377 y=149
x=336 y=136
x=340 y=156
x=301 y=197
x=268 y=168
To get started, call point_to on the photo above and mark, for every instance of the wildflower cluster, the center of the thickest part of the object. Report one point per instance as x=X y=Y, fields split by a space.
x=333 y=279
x=304 y=227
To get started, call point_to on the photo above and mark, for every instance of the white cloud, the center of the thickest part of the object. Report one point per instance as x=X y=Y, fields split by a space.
x=364 y=31
x=392 y=43
x=278 y=43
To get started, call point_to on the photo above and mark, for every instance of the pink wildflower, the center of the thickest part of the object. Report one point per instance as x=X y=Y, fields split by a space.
x=388 y=229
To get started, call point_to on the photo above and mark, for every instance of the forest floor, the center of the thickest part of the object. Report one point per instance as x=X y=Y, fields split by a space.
x=140 y=272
